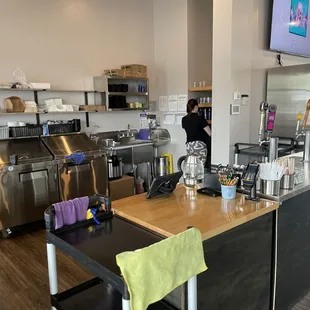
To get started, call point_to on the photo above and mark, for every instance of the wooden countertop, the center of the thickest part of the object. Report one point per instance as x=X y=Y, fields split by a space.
x=170 y=215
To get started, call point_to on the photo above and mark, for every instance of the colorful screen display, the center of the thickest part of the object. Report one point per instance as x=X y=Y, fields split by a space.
x=289 y=30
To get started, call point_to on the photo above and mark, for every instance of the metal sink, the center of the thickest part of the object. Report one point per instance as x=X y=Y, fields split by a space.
x=127 y=140
x=136 y=141
x=160 y=136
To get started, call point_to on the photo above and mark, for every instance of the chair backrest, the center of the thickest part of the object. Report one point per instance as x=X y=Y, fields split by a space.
x=152 y=273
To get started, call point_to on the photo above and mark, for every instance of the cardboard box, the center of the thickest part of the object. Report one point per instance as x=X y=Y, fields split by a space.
x=92 y=108
x=122 y=188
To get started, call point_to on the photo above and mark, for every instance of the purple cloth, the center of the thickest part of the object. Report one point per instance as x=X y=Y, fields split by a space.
x=71 y=211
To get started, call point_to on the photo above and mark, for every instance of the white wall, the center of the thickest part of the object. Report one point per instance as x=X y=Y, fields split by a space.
x=67 y=42
x=170 y=37
x=240 y=59
x=241 y=69
x=263 y=60
x=222 y=85
x=199 y=33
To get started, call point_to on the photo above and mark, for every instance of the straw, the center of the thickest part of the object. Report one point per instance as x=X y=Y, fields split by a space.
x=288 y=164
x=272 y=171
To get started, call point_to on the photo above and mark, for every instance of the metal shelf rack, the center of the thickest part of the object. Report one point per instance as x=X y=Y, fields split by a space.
x=35 y=97
x=101 y=84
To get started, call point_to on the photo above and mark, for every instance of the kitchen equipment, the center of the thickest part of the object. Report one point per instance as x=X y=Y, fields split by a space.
x=170 y=161
x=287 y=181
x=107 y=142
x=163 y=185
x=273 y=149
x=59 y=127
x=76 y=125
x=161 y=165
x=193 y=170
x=306 y=156
x=269 y=187
x=4 y=132
x=26 y=131
x=272 y=109
x=115 y=167
x=144 y=134
x=85 y=179
x=160 y=136
x=28 y=181
x=249 y=180
x=144 y=170
x=139 y=185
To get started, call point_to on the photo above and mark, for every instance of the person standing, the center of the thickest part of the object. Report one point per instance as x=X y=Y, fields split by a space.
x=198 y=132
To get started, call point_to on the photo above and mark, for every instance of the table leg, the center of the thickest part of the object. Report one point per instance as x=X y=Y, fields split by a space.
x=125 y=304
x=52 y=268
x=192 y=293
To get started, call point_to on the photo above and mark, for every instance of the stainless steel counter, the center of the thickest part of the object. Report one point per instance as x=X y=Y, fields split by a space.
x=136 y=143
x=286 y=194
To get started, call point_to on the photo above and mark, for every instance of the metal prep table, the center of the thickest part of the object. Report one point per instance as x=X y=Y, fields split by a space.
x=137 y=155
x=28 y=187
x=77 y=180
x=95 y=247
x=259 y=153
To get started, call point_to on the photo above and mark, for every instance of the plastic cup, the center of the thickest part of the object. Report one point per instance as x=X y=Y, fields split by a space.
x=229 y=192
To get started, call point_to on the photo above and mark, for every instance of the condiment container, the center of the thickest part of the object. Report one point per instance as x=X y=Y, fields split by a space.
x=287 y=181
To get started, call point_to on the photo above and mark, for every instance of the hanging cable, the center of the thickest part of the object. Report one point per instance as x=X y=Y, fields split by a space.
x=280 y=62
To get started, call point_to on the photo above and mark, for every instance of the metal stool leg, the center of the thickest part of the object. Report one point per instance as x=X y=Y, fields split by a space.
x=192 y=293
x=52 y=268
x=125 y=304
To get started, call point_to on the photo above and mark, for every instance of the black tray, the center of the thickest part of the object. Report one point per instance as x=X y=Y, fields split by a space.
x=26 y=131
x=60 y=128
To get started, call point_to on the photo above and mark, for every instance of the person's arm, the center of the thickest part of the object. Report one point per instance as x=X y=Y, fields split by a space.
x=207 y=129
x=183 y=122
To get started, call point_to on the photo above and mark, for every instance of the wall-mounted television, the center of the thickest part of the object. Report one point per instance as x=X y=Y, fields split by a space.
x=290 y=29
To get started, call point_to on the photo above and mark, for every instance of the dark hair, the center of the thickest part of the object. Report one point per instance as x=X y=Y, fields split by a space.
x=191 y=103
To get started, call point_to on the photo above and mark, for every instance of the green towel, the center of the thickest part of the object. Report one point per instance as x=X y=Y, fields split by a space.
x=152 y=273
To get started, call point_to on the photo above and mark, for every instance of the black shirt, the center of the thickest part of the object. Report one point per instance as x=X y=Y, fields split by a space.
x=194 y=126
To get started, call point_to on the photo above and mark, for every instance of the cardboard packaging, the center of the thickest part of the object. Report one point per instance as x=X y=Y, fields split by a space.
x=122 y=188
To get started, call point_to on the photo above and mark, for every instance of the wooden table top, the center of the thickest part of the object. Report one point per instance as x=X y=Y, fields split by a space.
x=170 y=215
